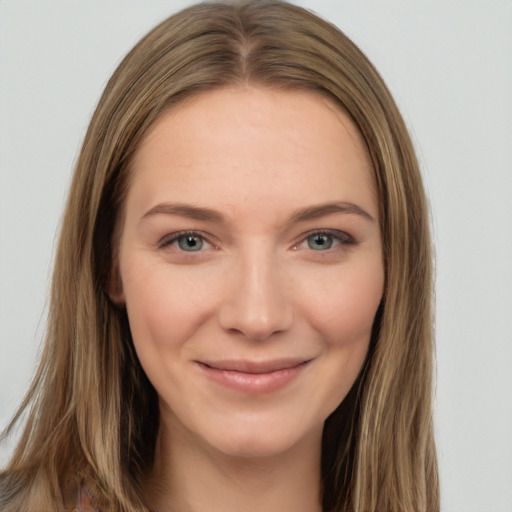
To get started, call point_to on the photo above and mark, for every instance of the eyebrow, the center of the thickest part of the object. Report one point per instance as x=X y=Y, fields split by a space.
x=315 y=212
x=208 y=214
x=185 y=210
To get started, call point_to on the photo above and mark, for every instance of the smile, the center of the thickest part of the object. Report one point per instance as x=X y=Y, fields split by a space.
x=254 y=377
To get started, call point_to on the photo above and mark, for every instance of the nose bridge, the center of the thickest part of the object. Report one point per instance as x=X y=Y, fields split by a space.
x=257 y=303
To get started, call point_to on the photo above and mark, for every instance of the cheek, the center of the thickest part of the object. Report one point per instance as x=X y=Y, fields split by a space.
x=147 y=304
x=344 y=316
x=159 y=306
x=164 y=309
x=344 y=312
x=166 y=305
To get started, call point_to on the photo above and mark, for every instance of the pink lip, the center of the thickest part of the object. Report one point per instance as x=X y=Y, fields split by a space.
x=254 y=377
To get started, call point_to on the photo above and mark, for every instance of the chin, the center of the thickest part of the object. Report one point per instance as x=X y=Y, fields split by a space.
x=263 y=439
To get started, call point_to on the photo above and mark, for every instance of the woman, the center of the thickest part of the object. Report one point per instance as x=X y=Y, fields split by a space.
x=241 y=305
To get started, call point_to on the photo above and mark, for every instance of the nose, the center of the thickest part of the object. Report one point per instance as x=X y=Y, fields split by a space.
x=257 y=303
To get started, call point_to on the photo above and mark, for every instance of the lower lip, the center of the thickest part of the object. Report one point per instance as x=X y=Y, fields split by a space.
x=254 y=383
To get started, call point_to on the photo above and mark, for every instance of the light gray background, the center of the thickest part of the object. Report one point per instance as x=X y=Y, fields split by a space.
x=449 y=65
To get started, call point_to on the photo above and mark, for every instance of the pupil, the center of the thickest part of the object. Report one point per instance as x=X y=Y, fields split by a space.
x=320 y=242
x=190 y=243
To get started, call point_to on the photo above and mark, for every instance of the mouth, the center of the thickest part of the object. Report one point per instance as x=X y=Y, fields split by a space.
x=255 y=367
x=254 y=377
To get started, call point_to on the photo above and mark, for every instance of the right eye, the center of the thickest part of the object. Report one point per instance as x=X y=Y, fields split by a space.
x=188 y=241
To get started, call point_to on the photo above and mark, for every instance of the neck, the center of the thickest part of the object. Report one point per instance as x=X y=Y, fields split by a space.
x=191 y=477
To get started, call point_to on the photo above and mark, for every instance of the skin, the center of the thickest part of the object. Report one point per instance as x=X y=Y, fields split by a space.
x=278 y=279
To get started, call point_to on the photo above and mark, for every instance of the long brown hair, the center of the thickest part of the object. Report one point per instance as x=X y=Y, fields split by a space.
x=91 y=412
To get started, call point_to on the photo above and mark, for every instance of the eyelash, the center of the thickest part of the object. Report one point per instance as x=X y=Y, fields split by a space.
x=343 y=239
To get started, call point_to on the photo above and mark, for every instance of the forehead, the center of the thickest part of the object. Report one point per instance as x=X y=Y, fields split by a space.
x=253 y=144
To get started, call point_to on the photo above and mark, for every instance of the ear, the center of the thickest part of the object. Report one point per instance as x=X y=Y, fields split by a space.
x=115 y=289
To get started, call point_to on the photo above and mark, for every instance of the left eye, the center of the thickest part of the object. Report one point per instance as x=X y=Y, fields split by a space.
x=325 y=240
x=320 y=241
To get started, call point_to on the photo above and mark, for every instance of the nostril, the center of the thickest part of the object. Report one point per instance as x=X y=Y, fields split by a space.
x=255 y=303
x=253 y=325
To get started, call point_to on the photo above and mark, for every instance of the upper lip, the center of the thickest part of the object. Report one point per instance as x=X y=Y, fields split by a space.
x=255 y=367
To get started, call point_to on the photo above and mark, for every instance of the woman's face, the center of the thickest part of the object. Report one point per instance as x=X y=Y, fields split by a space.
x=250 y=266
